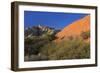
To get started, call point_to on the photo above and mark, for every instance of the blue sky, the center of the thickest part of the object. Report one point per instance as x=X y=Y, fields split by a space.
x=55 y=20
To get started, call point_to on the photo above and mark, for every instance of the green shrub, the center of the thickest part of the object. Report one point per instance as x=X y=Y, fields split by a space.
x=33 y=44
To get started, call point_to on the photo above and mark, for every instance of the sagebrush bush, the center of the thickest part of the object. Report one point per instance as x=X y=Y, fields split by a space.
x=68 y=49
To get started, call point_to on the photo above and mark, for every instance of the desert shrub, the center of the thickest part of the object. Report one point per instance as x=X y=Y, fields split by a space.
x=33 y=45
x=28 y=40
x=69 y=49
x=49 y=37
x=85 y=35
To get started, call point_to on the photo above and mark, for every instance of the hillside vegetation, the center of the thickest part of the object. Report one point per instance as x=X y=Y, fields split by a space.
x=75 y=48
x=44 y=48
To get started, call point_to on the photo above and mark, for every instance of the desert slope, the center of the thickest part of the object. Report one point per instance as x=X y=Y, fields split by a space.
x=75 y=28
